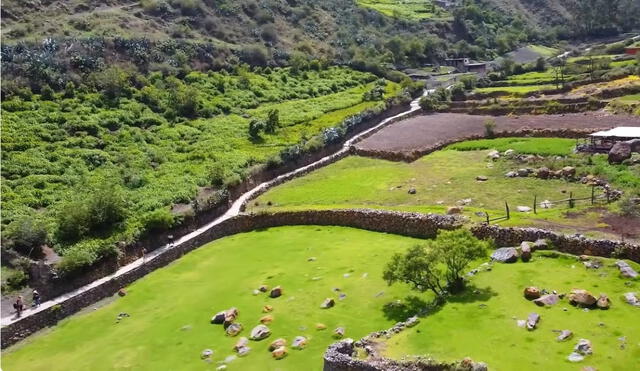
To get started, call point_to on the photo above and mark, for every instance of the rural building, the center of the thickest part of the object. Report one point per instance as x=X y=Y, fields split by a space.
x=466 y=65
x=604 y=140
x=632 y=50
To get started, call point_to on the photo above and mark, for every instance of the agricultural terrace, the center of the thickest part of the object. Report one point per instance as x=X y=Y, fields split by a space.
x=139 y=145
x=462 y=175
x=407 y=9
x=170 y=309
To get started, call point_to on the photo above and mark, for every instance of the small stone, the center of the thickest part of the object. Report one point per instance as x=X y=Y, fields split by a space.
x=338 y=332
x=328 y=303
x=547 y=300
x=342 y=296
x=521 y=323
x=243 y=351
x=523 y=209
x=277 y=344
x=454 y=210
x=260 y=332
x=412 y=191
x=603 y=302
x=509 y=152
x=221 y=367
x=207 y=353
x=299 y=342
x=575 y=357
x=546 y=204
x=234 y=329
x=505 y=255
x=230 y=359
x=279 y=353
x=494 y=155
x=265 y=320
x=525 y=251
x=267 y=309
x=482 y=178
x=263 y=288
x=565 y=335
x=626 y=270
x=412 y=321
x=532 y=321
x=511 y=174
x=256 y=292
x=531 y=293
x=632 y=299
x=275 y=292
x=242 y=342
x=583 y=347
x=311 y=259
x=581 y=298
x=320 y=326
x=122 y=292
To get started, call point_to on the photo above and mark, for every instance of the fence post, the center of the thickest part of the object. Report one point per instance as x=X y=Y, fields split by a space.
x=607 y=193
x=506 y=205
x=593 y=190
x=535 y=202
x=571 y=200
x=487 y=215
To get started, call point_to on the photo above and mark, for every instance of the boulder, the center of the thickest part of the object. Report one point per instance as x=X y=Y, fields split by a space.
x=299 y=342
x=234 y=329
x=523 y=209
x=505 y=255
x=482 y=178
x=583 y=347
x=531 y=293
x=626 y=270
x=581 y=298
x=243 y=351
x=412 y=191
x=511 y=174
x=543 y=172
x=565 y=335
x=275 y=292
x=328 y=303
x=218 y=318
x=454 y=210
x=279 y=353
x=523 y=172
x=263 y=288
x=575 y=357
x=412 y=321
x=122 y=292
x=525 y=251
x=603 y=302
x=632 y=299
x=339 y=332
x=532 y=321
x=265 y=320
x=494 y=155
x=277 y=344
x=509 y=152
x=260 y=332
x=242 y=342
x=547 y=300
x=619 y=152
x=568 y=171
x=230 y=316
x=207 y=353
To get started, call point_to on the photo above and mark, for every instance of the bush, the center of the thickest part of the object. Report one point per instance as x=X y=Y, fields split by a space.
x=13 y=280
x=615 y=48
x=273 y=121
x=489 y=128
x=255 y=128
x=630 y=206
x=27 y=235
x=84 y=254
x=216 y=174
x=254 y=55
x=469 y=81
x=159 y=219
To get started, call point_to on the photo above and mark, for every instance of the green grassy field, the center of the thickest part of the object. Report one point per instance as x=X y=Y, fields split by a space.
x=485 y=323
x=171 y=308
x=409 y=9
x=540 y=146
x=522 y=89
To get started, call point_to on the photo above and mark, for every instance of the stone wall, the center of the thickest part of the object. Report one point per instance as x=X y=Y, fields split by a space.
x=408 y=224
x=576 y=245
x=525 y=132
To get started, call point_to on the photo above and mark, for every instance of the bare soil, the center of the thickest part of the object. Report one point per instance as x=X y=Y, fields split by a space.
x=422 y=133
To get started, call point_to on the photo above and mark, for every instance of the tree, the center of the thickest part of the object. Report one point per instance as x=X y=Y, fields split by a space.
x=27 y=235
x=541 y=64
x=273 y=121
x=255 y=127
x=439 y=264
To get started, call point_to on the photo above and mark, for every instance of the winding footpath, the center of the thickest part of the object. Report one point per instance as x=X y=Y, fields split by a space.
x=234 y=210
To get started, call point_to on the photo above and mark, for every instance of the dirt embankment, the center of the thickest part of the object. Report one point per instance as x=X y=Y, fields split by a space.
x=422 y=134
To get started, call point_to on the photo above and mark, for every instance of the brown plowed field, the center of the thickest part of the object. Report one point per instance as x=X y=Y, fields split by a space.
x=426 y=132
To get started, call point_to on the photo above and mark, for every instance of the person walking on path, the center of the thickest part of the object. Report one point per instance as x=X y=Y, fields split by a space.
x=36 y=298
x=18 y=306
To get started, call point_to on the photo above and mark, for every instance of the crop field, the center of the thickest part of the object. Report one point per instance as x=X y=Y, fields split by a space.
x=158 y=145
x=523 y=89
x=448 y=177
x=484 y=318
x=411 y=9
x=170 y=309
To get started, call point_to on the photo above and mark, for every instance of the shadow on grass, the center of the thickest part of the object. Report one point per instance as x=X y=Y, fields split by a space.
x=413 y=305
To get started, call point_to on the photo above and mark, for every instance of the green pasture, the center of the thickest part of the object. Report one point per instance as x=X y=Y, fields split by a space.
x=408 y=9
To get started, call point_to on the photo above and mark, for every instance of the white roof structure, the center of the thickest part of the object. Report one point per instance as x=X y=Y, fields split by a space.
x=619 y=132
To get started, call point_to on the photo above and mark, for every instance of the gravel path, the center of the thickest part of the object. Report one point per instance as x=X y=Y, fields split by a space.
x=424 y=132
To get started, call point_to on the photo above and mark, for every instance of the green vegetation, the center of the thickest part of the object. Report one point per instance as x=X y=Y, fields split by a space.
x=482 y=320
x=12 y=279
x=544 y=51
x=170 y=309
x=411 y=9
x=540 y=146
x=517 y=89
x=103 y=163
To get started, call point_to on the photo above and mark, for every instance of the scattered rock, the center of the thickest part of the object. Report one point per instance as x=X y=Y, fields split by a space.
x=540 y=244
x=575 y=357
x=521 y=323
x=263 y=288
x=619 y=152
x=482 y=178
x=412 y=191
x=321 y=326
x=565 y=335
x=581 y=298
x=279 y=353
x=509 y=152
x=234 y=329
x=583 y=347
x=525 y=251
x=568 y=171
x=328 y=303
x=494 y=155
x=523 y=209
x=242 y=342
x=511 y=174
x=531 y=293
x=260 y=332
x=626 y=270
x=122 y=292
x=277 y=344
x=547 y=300
x=593 y=264
x=207 y=353
x=218 y=318
x=532 y=321
x=603 y=302
x=505 y=255
x=230 y=316
x=546 y=204
x=464 y=201
x=339 y=332
x=543 y=172
x=265 y=320
x=244 y=351
x=275 y=292
x=412 y=321
x=454 y=210
x=632 y=299
x=311 y=259
x=342 y=296
x=523 y=172
x=299 y=342
x=267 y=309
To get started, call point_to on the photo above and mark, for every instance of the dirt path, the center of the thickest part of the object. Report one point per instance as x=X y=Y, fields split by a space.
x=421 y=133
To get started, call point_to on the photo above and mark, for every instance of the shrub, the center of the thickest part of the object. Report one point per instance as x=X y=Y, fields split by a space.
x=469 y=81
x=159 y=219
x=232 y=180
x=27 y=235
x=630 y=206
x=254 y=55
x=46 y=93
x=273 y=121
x=216 y=174
x=255 y=128
x=489 y=128
x=13 y=280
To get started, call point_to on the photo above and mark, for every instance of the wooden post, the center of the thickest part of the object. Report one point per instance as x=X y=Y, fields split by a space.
x=487 y=215
x=607 y=193
x=571 y=200
x=506 y=205
x=593 y=192
x=535 y=202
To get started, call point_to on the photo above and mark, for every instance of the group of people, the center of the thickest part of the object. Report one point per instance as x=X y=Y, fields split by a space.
x=19 y=304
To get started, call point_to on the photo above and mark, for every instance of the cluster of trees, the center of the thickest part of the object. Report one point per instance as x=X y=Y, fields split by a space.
x=269 y=126
x=438 y=265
